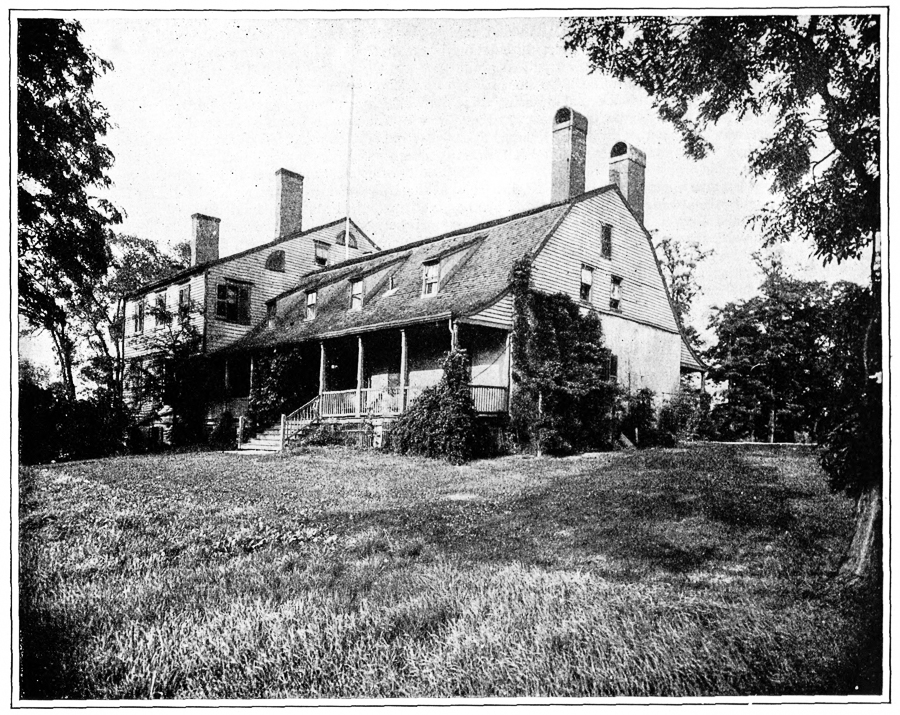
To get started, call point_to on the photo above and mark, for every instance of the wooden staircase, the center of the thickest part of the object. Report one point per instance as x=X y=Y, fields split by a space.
x=292 y=426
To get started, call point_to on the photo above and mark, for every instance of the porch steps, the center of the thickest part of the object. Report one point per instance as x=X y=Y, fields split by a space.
x=267 y=441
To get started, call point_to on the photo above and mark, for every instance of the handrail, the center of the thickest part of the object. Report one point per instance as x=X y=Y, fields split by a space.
x=298 y=419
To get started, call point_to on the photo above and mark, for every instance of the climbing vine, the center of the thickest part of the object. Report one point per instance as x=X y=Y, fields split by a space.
x=564 y=397
x=277 y=387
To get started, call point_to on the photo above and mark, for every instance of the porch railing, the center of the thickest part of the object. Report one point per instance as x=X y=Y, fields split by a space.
x=488 y=399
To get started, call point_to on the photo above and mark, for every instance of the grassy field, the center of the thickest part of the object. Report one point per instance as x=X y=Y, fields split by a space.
x=334 y=573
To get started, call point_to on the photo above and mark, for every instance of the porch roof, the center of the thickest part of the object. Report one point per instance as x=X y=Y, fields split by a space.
x=485 y=253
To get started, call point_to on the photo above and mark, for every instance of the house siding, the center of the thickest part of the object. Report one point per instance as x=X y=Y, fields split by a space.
x=299 y=259
x=577 y=240
x=643 y=333
x=499 y=314
x=147 y=342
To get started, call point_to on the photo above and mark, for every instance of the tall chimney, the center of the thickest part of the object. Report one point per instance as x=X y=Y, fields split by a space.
x=289 y=202
x=204 y=239
x=569 y=149
x=626 y=169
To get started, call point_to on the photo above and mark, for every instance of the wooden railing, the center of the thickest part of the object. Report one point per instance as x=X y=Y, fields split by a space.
x=488 y=399
x=298 y=419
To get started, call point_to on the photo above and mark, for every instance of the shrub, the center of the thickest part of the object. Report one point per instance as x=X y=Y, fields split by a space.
x=685 y=416
x=639 y=422
x=224 y=434
x=442 y=422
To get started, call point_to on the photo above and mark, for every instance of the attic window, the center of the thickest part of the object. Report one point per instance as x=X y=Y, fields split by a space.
x=619 y=149
x=563 y=115
x=587 y=282
x=356 y=295
x=615 y=293
x=342 y=235
x=606 y=242
x=275 y=261
x=321 y=253
x=431 y=278
x=311 y=298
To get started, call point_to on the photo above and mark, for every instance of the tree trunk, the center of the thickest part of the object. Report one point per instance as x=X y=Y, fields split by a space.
x=859 y=561
x=772 y=424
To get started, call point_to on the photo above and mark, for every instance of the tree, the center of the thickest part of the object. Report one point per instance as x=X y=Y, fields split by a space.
x=98 y=315
x=62 y=225
x=678 y=261
x=774 y=352
x=819 y=78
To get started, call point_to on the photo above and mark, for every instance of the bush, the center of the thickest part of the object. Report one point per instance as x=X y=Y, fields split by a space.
x=683 y=417
x=639 y=423
x=442 y=422
x=224 y=434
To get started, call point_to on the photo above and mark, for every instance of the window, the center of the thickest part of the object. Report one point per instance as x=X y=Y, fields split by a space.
x=615 y=293
x=137 y=316
x=392 y=283
x=233 y=302
x=356 y=295
x=342 y=235
x=611 y=369
x=162 y=314
x=271 y=310
x=606 y=242
x=431 y=278
x=587 y=281
x=321 y=253
x=311 y=305
x=184 y=303
x=275 y=261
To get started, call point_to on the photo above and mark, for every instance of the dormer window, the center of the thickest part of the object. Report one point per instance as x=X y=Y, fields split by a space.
x=587 y=282
x=431 y=278
x=340 y=240
x=271 y=311
x=615 y=293
x=606 y=242
x=356 y=294
x=321 y=253
x=311 y=304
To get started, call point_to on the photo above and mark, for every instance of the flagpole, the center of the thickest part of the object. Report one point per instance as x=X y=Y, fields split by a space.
x=349 y=157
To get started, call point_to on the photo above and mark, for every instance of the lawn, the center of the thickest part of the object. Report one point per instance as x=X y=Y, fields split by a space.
x=336 y=573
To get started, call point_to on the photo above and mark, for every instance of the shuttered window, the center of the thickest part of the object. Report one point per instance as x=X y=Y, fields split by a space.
x=184 y=303
x=233 y=303
x=137 y=317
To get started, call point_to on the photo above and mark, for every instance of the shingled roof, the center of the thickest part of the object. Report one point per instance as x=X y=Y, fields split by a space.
x=486 y=254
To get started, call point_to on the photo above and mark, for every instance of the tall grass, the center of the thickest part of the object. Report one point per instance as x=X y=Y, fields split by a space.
x=339 y=574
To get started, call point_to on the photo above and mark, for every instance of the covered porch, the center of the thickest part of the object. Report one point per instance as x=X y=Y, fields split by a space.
x=379 y=374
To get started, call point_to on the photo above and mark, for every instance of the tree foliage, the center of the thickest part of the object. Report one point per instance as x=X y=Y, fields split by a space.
x=817 y=76
x=678 y=261
x=62 y=224
x=98 y=316
x=564 y=393
x=277 y=384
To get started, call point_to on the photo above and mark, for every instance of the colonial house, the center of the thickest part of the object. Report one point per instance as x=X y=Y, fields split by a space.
x=221 y=299
x=376 y=326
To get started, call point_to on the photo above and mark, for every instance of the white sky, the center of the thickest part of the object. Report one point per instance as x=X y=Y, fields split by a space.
x=452 y=120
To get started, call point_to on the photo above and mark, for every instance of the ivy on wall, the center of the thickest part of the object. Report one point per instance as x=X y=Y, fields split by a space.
x=277 y=388
x=564 y=398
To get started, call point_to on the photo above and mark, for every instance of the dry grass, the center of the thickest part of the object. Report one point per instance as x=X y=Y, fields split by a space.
x=343 y=574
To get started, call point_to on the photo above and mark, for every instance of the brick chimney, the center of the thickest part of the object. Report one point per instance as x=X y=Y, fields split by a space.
x=626 y=169
x=569 y=148
x=289 y=203
x=204 y=239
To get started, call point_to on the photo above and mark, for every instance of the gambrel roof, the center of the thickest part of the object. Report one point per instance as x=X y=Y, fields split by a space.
x=476 y=264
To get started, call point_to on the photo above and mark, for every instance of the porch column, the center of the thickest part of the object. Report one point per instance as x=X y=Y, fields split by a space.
x=703 y=381
x=227 y=379
x=252 y=370
x=359 y=375
x=321 y=367
x=454 y=336
x=404 y=368
x=509 y=369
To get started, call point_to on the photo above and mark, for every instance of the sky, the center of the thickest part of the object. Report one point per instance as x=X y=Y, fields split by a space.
x=451 y=126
